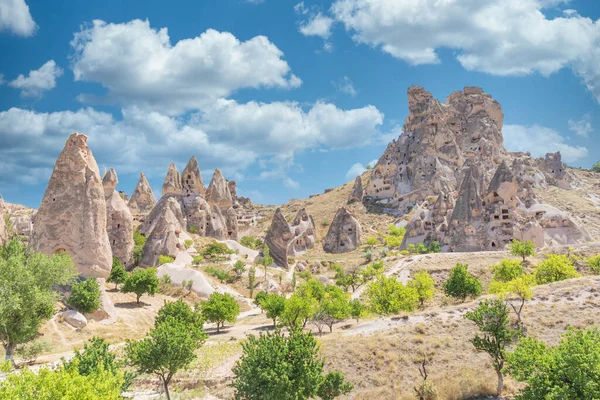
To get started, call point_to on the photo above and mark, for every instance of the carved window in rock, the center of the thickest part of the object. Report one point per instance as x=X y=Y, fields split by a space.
x=60 y=250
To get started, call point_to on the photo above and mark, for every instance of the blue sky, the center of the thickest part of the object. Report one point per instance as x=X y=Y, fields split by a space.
x=287 y=98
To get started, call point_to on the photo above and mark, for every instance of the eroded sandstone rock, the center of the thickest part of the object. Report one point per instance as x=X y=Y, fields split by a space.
x=142 y=200
x=191 y=178
x=278 y=238
x=218 y=192
x=162 y=228
x=231 y=219
x=357 y=191
x=344 y=233
x=303 y=229
x=119 y=222
x=172 y=183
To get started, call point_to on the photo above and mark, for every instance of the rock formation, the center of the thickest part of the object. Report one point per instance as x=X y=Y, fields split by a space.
x=72 y=216
x=172 y=183
x=119 y=222
x=278 y=238
x=468 y=192
x=231 y=218
x=192 y=178
x=218 y=192
x=344 y=233
x=357 y=191
x=303 y=229
x=162 y=228
x=142 y=200
x=3 y=227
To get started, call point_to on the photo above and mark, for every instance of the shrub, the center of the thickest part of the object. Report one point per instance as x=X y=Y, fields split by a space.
x=522 y=249
x=162 y=259
x=392 y=241
x=397 y=231
x=166 y=279
x=141 y=281
x=118 y=275
x=555 y=268
x=372 y=241
x=216 y=249
x=138 y=238
x=219 y=308
x=251 y=242
x=188 y=243
x=507 y=270
x=368 y=254
x=325 y=223
x=239 y=268
x=333 y=385
x=198 y=260
x=596 y=167
x=251 y=279
x=218 y=273
x=424 y=285
x=594 y=264
x=138 y=252
x=461 y=284
x=85 y=296
x=388 y=296
x=193 y=229
x=357 y=309
x=419 y=248
x=434 y=247
x=29 y=352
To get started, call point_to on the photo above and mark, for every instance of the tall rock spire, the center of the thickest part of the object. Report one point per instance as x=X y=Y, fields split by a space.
x=191 y=179
x=218 y=191
x=119 y=222
x=172 y=183
x=142 y=200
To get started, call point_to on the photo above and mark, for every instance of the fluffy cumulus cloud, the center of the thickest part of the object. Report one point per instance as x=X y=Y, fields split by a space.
x=38 y=81
x=16 y=18
x=582 y=127
x=540 y=140
x=149 y=140
x=500 y=37
x=139 y=65
x=357 y=169
x=317 y=25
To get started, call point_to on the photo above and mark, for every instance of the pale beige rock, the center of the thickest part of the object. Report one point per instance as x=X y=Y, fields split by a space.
x=74 y=318
x=72 y=216
x=231 y=219
x=3 y=227
x=278 y=238
x=344 y=233
x=162 y=228
x=303 y=229
x=119 y=222
x=142 y=200
x=172 y=183
x=218 y=192
x=191 y=179
x=357 y=191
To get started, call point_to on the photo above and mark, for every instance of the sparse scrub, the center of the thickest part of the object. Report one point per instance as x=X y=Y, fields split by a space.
x=220 y=274
x=29 y=352
x=198 y=260
x=251 y=242
x=594 y=264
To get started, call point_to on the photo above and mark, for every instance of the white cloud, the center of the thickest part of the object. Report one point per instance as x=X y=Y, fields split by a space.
x=583 y=127
x=317 y=25
x=500 y=37
x=300 y=8
x=345 y=86
x=291 y=184
x=358 y=169
x=139 y=65
x=38 y=81
x=15 y=17
x=540 y=140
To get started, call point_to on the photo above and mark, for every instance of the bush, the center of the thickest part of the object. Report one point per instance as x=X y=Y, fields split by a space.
x=188 y=243
x=507 y=270
x=85 y=296
x=139 y=241
x=434 y=247
x=218 y=273
x=251 y=242
x=239 y=268
x=193 y=229
x=138 y=252
x=392 y=241
x=162 y=259
x=372 y=241
x=594 y=264
x=118 y=275
x=333 y=385
x=216 y=249
x=397 y=231
x=198 y=260
x=461 y=284
x=141 y=281
x=419 y=248
x=138 y=238
x=219 y=308
x=424 y=285
x=596 y=167
x=325 y=223
x=555 y=268
x=388 y=296
x=522 y=249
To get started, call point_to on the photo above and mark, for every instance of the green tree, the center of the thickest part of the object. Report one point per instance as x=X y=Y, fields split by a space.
x=507 y=270
x=275 y=366
x=266 y=259
x=139 y=241
x=251 y=280
x=239 y=268
x=334 y=385
x=556 y=267
x=570 y=370
x=140 y=282
x=118 y=275
x=594 y=264
x=85 y=296
x=167 y=349
x=495 y=334
x=273 y=305
x=515 y=293
x=180 y=311
x=522 y=249
x=334 y=306
x=596 y=167
x=388 y=296
x=461 y=284
x=357 y=309
x=298 y=310
x=27 y=279
x=424 y=285
x=219 y=308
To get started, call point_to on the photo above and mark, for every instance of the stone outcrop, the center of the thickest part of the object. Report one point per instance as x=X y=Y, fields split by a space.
x=142 y=200
x=218 y=192
x=119 y=222
x=344 y=233
x=468 y=193
x=74 y=318
x=357 y=191
x=191 y=179
x=72 y=216
x=278 y=238
x=162 y=228
x=303 y=229
x=231 y=219
x=172 y=183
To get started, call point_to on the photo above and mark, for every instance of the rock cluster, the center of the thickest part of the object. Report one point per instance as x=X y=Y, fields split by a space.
x=119 y=222
x=142 y=200
x=344 y=233
x=287 y=240
x=468 y=192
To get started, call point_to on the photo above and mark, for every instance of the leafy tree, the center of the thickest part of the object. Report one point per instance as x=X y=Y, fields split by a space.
x=27 y=279
x=167 y=349
x=266 y=259
x=260 y=298
x=251 y=242
x=333 y=307
x=461 y=284
x=507 y=270
x=118 y=275
x=215 y=250
x=298 y=309
x=139 y=240
x=434 y=247
x=522 y=249
x=596 y=167
x=62 y=383
x=275 y=366
x=570 y=370
x=424 y=285
x=334 y=385
x=85 y=295
x=515 y=293
x=491 y=317
x=251 y=279
x=556 y=267
x=220 y=307
x=357 y=309
x=388 y=296
x=140 y=282
x=180 y=311
x=274 y=306
x=239 y=268
x=594 y=264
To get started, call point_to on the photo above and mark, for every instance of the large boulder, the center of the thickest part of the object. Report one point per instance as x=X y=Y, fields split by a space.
x=278 y=238
x=142 y=200
x=74 y=318
x=218 y=191
x=119 y=220
x=72 y=216
x=191 y=179
x=344 y=233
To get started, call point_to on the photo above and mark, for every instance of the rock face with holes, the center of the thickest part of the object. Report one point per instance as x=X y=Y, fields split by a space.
x=357 y=191
x=344 y=233
x=172 y=183
x=72 y=216
x=303 y=229
x=278 y=238
x=468 y=192
x=119 y=222
x=191 y=179
x=231 y=221
x=218 y=192
x=142 y=200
